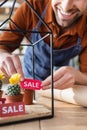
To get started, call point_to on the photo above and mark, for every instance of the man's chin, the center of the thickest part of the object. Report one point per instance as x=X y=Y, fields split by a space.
x=68 y=23
x=65 y=24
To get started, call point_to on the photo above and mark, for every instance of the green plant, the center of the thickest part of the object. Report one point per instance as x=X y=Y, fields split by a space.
x=13 y=93
x=14 y=87
x=13 y=90
x=20 y=48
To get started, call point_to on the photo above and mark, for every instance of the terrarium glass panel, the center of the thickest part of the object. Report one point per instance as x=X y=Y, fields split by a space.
x=36 y=68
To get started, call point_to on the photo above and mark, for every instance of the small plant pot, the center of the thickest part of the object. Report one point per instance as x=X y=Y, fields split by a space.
x=1 y=92
x=28 y=96
x=15 y=98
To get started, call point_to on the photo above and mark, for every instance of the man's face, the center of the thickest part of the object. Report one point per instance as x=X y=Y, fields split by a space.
x=67 y=11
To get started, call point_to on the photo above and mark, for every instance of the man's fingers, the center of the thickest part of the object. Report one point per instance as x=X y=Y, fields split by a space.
x=56 y=76
x=9 y=66
x=18 y=66
x=4 y=72
x=47 y=81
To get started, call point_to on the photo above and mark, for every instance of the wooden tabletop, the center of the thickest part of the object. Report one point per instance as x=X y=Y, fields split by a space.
x=66 y=117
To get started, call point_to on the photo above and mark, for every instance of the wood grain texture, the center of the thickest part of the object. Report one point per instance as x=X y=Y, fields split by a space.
x=67 y=117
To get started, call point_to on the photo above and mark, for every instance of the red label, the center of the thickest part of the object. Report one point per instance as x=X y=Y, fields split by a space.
x=2 y=100
x=12 y=109
x=31 y=84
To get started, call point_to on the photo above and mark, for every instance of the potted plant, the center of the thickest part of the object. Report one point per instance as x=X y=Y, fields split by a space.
x=28 y=96
x=20 y=49
x=13 y=93
x=1 y=78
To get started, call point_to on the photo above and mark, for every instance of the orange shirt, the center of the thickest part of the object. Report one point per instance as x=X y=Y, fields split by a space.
x=26 y=20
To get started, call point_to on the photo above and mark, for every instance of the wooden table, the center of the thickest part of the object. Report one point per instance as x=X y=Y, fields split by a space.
x=67 y=117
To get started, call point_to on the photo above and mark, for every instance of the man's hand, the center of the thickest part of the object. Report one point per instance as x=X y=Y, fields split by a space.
x=10 y=64
x=63 y=78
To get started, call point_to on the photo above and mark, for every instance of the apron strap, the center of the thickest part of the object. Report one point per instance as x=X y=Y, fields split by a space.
x=79 y=40
x=42 y=16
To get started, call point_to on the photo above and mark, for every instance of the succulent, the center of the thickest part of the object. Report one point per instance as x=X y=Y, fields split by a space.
x=14 y=87
x=13 y=90
x=20 y=48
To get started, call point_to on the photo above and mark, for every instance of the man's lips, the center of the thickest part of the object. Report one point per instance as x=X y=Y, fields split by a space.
x=66 y=15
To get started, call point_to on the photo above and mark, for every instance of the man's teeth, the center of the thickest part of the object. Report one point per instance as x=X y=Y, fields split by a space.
x=65 y=13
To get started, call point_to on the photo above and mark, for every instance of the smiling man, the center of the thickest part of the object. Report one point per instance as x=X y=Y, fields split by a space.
x=68 y=21
x=67 y=11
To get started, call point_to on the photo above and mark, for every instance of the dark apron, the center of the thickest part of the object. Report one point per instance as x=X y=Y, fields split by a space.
x=42 y=70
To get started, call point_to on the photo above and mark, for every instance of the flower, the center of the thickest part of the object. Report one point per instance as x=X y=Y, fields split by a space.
x=2 y=76
x=14 y=79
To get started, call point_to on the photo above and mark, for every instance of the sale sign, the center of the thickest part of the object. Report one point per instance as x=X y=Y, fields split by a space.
x=12 y=109
x=31 y=84
x=2 y=100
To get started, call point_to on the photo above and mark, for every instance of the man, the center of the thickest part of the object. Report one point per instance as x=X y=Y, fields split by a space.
x=67 y=20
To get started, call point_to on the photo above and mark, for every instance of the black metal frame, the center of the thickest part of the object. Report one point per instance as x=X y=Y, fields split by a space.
x=49 y=33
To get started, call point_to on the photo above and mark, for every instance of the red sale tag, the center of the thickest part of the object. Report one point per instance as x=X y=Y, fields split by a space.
x=12 y=109
x=2 y=100
x=31 y=84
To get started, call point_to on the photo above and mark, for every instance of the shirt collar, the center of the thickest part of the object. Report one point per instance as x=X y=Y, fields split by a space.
x=49 y=13
x=80 y=26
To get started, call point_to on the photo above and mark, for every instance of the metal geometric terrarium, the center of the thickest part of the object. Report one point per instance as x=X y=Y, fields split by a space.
x=32 y=44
